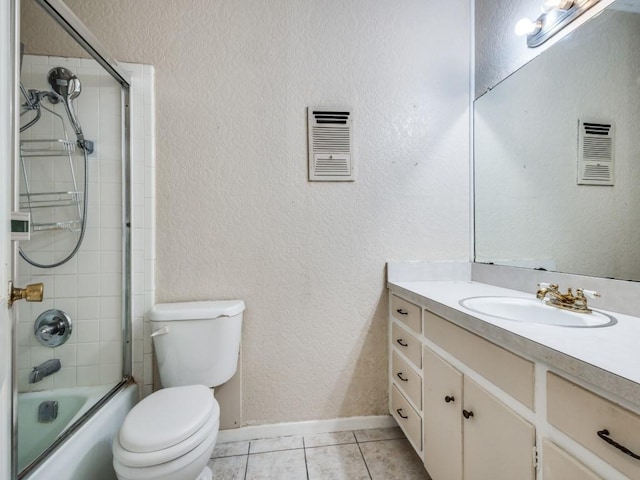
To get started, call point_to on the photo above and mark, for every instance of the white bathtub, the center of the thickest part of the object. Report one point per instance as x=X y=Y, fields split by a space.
x=87 y=453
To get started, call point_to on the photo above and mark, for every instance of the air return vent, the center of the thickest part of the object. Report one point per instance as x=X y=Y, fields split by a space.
x=330 y=144
x=595 y=156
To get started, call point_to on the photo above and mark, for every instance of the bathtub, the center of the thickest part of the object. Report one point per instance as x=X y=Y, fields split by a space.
x=87 y=452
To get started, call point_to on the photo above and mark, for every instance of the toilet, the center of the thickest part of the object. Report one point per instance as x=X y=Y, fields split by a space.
x=170 y=434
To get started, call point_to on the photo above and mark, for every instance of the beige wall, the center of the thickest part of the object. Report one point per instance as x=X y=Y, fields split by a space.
x=237 y=217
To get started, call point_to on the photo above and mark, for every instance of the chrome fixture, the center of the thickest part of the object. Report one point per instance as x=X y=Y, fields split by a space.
x=556 y=15
x=65 y=87
x=44 y=370
x=550 y=295
x=52 y=328
x=47 y=411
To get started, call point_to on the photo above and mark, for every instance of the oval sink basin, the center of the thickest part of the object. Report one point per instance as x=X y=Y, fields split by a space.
x=531 y=310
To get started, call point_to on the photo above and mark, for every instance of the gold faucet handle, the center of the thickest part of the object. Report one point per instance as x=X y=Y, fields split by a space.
x=588 y=293
x=31 y=293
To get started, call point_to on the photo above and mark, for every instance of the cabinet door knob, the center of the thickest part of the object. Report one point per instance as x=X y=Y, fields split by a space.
x=604 y=435
x=399 y=375
x=402 y=312
x=402 y=415
x=449 y=398
x=467 y=414
x=402 y=343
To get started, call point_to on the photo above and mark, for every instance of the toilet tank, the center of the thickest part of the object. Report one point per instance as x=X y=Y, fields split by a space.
x=196 y=342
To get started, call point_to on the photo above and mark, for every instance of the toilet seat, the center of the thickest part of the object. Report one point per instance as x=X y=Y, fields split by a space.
x=166 y=418
x=166 y=425
x=191 y=466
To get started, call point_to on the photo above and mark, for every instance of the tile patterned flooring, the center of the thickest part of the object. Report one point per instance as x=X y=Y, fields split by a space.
x=377 y=454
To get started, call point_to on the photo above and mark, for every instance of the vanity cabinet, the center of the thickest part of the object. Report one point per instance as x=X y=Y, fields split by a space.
x=405 y=369
x=474 y=410
x=430 y=398
x=605 y=428
x=468 y=433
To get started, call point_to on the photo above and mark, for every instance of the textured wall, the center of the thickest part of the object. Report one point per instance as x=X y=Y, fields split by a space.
x=526 y=148
x=236 y=215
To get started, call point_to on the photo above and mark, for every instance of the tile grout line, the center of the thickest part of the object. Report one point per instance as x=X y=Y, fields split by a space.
x=246 y=465
x=362 y=455
x=306 y=465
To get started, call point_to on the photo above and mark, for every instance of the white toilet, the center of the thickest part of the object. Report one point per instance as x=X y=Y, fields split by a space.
x=170 y=434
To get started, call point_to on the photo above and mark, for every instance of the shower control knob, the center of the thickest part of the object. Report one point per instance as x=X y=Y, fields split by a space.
x=31 y=293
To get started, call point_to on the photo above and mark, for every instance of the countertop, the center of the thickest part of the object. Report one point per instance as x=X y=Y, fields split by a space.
x=605 y=357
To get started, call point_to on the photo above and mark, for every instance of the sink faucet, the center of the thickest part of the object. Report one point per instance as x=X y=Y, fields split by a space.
x=550 y=295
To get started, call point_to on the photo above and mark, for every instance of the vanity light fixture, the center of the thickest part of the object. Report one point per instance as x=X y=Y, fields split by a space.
x=550 y=5
x=556 y=15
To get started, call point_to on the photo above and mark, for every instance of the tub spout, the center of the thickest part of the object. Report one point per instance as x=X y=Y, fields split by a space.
x=44 y=369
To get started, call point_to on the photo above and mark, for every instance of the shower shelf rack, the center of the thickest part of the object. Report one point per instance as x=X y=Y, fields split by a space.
x=36 y=201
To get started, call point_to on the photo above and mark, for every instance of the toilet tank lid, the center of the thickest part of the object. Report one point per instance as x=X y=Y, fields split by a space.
x=164 y=312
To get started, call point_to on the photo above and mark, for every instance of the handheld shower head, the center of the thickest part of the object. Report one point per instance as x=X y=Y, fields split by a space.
x=64 y=83
x=66 y=87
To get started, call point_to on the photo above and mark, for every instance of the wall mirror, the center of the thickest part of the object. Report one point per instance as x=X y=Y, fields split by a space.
x=557 y=155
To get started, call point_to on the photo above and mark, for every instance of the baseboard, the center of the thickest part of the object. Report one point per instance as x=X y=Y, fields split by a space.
x=305 y=428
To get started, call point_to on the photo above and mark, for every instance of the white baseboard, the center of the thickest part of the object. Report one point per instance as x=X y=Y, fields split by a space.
x=305 y=428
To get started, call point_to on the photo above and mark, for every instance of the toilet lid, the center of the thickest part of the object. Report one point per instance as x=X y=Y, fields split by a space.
x=166 y=418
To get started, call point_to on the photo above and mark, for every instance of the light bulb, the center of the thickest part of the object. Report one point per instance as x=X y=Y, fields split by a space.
x=527 y=27
x=550 y=5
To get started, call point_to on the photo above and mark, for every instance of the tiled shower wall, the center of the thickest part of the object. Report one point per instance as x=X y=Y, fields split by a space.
x=88 y=287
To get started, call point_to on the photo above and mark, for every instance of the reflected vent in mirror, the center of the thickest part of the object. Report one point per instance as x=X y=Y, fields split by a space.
x=595 y=162
x=330 y=144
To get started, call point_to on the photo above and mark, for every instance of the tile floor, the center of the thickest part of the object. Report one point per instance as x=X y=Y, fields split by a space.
x=377 y=454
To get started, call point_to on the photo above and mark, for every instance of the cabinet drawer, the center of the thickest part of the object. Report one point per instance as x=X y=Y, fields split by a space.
x=407 y=418
x=407 y=379
x=406 y=312
x=506 y=370
x=406 y=343
x=559 y=465
x=584 y=416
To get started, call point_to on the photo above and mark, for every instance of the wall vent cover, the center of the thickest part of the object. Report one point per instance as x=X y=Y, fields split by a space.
x=595 y=154
x=330 y=144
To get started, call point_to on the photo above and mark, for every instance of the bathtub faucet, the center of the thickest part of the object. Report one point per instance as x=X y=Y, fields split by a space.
x=44 y=370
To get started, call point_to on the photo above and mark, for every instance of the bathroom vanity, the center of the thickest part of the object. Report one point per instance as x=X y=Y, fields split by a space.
x=485 y=397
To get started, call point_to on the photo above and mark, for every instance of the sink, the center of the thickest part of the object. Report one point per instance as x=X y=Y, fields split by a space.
x=531 y=310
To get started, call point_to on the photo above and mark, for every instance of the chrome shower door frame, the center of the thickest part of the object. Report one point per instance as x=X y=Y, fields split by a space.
x=63 y=15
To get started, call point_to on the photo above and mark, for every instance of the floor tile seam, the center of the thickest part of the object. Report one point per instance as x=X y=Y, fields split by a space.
x=229 y=456
x=246 y=468
x=331 y=445
x=304 y=452
x=364 y=460
x=273 y=451
x=379 y=440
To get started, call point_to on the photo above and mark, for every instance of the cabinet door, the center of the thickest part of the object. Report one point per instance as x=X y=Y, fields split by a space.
x=498 y=443
x=559 y=465
x=442 y=418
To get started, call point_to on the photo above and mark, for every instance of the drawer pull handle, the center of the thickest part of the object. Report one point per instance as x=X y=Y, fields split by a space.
x=399 y=374
x=402 y=415
x=467 y=414
x=402 y=312
x=402 y=342
x=449 y=398
x=603 y=434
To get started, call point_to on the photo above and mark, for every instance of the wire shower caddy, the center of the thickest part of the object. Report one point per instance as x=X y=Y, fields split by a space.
x=51 y=210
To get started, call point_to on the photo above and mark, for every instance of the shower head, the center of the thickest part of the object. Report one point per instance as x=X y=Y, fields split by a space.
x=66 y=86
x=64 y=83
